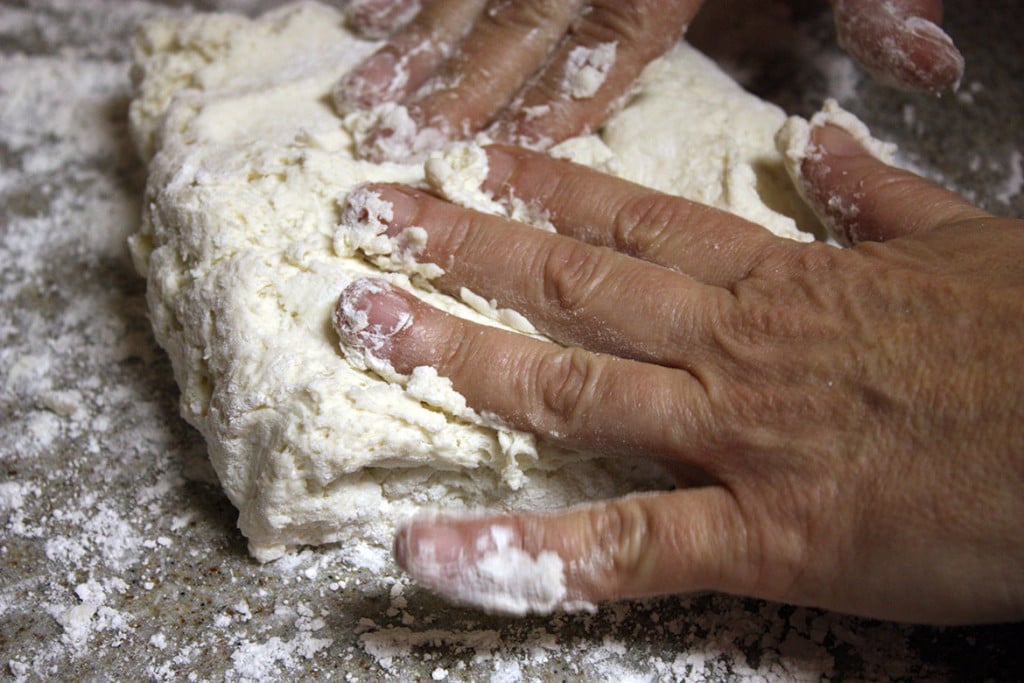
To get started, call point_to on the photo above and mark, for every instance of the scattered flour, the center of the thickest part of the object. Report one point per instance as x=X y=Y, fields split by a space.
x=1011 y=187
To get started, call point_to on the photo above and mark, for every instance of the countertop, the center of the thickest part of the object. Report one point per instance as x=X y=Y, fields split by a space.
x=119 y=556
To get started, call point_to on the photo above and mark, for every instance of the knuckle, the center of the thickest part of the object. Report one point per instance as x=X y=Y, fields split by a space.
x=565 y=382
x=572 y=273
x=624 y=528
x=641 y=224
x=456 y=347
x=649 y=26
x=456 y=243
x=786 y=274
x=814 y=259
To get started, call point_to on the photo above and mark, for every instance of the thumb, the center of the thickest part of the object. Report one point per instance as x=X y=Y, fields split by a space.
x=859 y=197
x=636 y=546
x=900 y=43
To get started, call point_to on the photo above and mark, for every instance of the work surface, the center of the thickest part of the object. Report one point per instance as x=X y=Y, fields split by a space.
x=119 y=558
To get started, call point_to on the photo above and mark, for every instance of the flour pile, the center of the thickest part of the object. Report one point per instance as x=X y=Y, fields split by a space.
x=245 y=248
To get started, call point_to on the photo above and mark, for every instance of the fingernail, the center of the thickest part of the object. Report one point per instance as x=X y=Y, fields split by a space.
x=428 y=543
x=387 y=210
x=398 y=136
x=500 y=165
x=836 y=142
x=370 y=312
x=371 y=82
x=484 y=567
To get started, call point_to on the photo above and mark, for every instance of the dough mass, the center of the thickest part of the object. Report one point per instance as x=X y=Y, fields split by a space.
x=244 y=248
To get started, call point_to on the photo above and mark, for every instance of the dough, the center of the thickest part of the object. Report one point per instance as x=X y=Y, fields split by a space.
x=245 y=250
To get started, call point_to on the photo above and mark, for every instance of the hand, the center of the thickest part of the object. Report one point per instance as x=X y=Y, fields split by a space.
x=845 y=424
x=534 y=73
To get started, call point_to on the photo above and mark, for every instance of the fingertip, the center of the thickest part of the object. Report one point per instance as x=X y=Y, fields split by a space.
x=479 y=561
x=379 y=18
x=900 y=44
x=377 y=79
x=939 y=64
x=369 y=313
x=834 y=156
x=834 y=141
x=849 y=181
x=386 y=208
x=427 y=541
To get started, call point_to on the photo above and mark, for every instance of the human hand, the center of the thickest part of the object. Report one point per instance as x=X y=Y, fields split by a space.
x=535 y=73
x=845 y=424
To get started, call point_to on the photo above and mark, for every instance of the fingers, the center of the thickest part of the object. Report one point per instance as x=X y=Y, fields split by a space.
x=900 y=43
x=712 y=246
x=862 y=199
x=576 y=293
x=591 y=70
x=507 y=44
x=632 y=547
x=379 y=18
x=568 y=396
x=554 y=68
x=410 y=56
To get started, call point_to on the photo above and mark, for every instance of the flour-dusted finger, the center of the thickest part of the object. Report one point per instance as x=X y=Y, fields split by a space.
x=380 y=18
x=577 y=293
x=652 y=544
x=900 y=43
x=508 y=43
x=578 y=399
x=710 y=245
x=846 y=177
x=591 y=72
x=410 y=57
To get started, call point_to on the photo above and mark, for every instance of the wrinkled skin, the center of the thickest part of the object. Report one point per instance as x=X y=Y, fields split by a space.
x=846 y=425
x=465 y=66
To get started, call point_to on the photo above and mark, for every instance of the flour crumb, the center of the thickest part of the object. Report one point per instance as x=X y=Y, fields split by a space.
x=587 y=68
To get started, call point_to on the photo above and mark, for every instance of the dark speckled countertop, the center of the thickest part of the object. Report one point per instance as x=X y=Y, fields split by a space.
x=119 y=560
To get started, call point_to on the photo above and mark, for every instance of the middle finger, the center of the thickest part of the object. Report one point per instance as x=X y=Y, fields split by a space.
x=712 y=246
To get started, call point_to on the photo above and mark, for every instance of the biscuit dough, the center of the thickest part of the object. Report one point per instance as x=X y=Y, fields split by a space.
x=245 y=249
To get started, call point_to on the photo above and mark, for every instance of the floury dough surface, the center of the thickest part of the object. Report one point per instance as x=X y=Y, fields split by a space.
x=245 y=248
